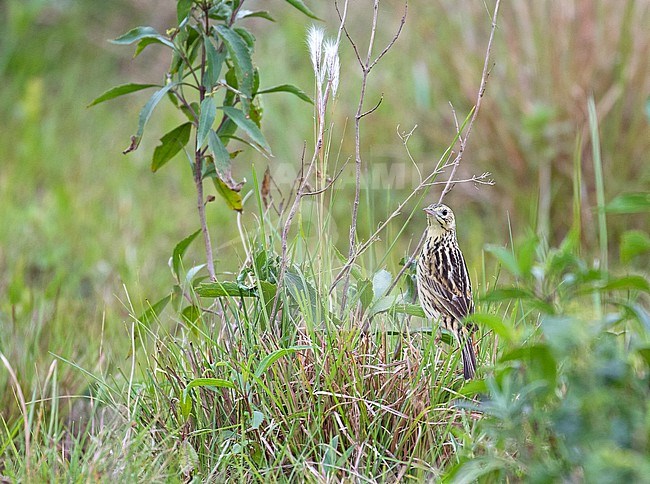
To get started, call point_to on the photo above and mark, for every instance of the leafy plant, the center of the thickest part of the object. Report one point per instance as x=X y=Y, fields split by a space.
x=214 y=83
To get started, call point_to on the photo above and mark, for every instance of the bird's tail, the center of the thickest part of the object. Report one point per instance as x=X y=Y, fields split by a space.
x=469 y=358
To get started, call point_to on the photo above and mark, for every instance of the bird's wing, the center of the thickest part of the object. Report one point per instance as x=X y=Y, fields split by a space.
x=452 y=288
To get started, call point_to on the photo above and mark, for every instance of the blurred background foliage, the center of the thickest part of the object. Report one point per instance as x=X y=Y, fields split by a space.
x=81 y=224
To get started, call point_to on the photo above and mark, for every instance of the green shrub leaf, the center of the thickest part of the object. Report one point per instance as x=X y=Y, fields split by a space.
x=287 y=88
x=630 y=203
x=248 y=126
x=206 y=120
x=241 y=58
x=151 y=314
x=300 y=5
x=179 y=252
x=140 y=33
x=232 y=197
x=633 y=243
x=118 y=91
x=170 y=144
x=145 y=114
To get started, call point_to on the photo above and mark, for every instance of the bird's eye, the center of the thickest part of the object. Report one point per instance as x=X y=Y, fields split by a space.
x=444 y=213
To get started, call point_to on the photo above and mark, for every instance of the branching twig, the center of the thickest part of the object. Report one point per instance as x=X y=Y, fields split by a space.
x=366 y=66
x=463 y=140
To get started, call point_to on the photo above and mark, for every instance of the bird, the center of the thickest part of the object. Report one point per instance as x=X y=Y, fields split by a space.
x=443 y=283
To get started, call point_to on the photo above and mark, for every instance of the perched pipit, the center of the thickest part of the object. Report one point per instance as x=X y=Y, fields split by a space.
x=444 y=288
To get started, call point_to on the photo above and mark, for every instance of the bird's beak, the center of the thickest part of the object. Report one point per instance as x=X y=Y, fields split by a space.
x=429 y=210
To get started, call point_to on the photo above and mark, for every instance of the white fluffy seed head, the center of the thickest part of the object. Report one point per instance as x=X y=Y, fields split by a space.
x=332 y=63
x=315 y=37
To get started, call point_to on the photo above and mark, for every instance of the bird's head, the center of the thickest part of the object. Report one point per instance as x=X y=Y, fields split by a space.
x=440 y=218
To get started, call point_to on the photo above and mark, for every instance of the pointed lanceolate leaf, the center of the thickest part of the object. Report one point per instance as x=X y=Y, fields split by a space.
x=241 y=58
x=154 y=311
x=300 y=5
x=223 y=289
x=206 y=119
x=214 y=62
x=140 y=33
x=630 y=203
x=221 y=155
x=118 y=91
x=257 y=13
x=145 y=114
x=288 y=88
x=248 y=126
x=170 y=144
x=271 y=358
x=183 y=8
x=179 y=252
x=232 y=197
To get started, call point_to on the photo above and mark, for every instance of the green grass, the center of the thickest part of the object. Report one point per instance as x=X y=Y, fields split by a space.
x=86 y=233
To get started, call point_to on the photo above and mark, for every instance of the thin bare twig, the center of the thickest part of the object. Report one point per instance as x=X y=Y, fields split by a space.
x=366 y=66
x=463 y=141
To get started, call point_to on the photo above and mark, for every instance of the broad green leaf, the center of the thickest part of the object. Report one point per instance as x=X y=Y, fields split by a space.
x=140 y=33
x=275 y=356
x=143 y=43
x=300 y=5
x=364 y=291
x=241 y=58
x=256 y=421
x=221 y=155
x=410 y=309
x=223 y=289
x=191 y=314
x=206 y=120
x=118 y=91
x=246 y=37
x=633 y=243
x=539 y=357
x=248 y=126
x=506 y=258
x=630 y=203
x=627 y=283
x=214 y=62
x=183 y=8
x=380 y=283
x=188 y=459
x=179 y=252
x=257 y=13
x=384 y=304
x=232 y=197
x=170 y=144
x=209 y=383
x=287 y=88
x=495 y=323
x=154 y=311
x=145 y=114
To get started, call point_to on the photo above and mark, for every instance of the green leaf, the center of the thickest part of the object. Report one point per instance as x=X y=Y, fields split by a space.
x=241 y=14
x=179 y=252
x=140 y=33
x=629 y=203
x=171 y=143
x=256 y=421
x=118 y=91
x=248 y=127
x=206 y=120
x=151 y=314
x=627 y=283
x=142 y=44
x=495 y=323
x=221 y=155
x=539 y=357
x=506 y=258
x=183 y=8
x=223 y=289
x=300 y=5
x=633 y=243
x=410 y=309
x=210 y=383
x=232 y=197
x=275 y=356
x=214 y=62
x=288 y=88
x=364 y=291
x=380 y=283
x=241 y=59
x=246 y=37
x=145 y=114
x=191 y=314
